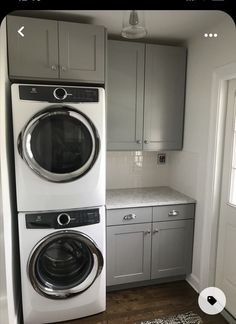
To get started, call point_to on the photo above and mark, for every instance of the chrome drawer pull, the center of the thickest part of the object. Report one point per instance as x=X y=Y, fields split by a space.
x=129 y=217
x=147 y=232
x=173 y=213
x=156 y=230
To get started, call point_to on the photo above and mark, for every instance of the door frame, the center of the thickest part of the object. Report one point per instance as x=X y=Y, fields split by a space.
x=218 y=109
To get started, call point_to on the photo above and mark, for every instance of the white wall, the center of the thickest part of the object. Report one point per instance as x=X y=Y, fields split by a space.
x=10 y=283
x=135 y=169
x=188 y=169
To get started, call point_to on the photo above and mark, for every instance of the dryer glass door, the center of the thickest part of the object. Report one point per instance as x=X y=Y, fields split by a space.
x=59 y=144
x=64 y=264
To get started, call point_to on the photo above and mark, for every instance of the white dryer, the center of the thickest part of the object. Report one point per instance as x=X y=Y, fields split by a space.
x=63 y=262
x=59 y=145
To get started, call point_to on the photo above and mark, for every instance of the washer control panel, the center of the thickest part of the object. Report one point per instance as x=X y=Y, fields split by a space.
x=63 y=219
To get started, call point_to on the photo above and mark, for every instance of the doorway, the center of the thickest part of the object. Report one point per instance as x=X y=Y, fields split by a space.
x=226 y=247
x=219 y=98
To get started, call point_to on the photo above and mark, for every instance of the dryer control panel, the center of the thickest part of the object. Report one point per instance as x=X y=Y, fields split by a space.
x=58 y=94
x=63 y=219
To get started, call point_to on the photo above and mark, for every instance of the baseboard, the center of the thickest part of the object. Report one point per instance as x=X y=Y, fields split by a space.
x=144 y=283
x=229 y=318
x=194 y=282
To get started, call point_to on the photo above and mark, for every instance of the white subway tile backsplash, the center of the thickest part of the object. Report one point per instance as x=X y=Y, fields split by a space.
x=135 y=169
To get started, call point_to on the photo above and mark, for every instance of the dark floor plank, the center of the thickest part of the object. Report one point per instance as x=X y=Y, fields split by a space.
x=131 y=306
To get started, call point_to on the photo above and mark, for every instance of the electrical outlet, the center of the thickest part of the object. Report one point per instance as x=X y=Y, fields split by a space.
x=161 y=158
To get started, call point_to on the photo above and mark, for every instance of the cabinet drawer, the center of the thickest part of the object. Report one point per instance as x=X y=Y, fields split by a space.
x=173 y=212
x=129 y=216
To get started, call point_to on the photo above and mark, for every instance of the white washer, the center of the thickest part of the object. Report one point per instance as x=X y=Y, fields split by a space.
x=62 y=264
x=59 y=146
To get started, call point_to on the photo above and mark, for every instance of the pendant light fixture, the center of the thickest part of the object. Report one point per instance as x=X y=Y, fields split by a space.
x=133 y=24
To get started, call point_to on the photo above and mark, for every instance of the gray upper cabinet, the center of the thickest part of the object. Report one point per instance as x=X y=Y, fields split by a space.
x=145 y=106
x=125 y=83
x=56 y=50
x=35 y=54
x=164 y=97
x=81 y=52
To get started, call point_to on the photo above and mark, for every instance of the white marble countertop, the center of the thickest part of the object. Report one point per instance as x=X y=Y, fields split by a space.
x=145 y=197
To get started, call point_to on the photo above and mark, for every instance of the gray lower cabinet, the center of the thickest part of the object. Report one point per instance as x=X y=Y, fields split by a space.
x=128 y=253
x=55 y=50
x=140 y=248
x=145 y=103
x=171 y=248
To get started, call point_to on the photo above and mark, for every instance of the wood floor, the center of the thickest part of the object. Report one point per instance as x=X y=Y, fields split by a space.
x=134 y=305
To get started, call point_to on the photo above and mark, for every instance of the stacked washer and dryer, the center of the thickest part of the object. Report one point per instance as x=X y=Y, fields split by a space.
x=59 y=147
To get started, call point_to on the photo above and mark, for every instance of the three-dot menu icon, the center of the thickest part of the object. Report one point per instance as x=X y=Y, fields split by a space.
x=210 y=35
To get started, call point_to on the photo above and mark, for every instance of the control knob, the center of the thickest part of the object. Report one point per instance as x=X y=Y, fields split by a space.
x=60 y=93
x=63 y=219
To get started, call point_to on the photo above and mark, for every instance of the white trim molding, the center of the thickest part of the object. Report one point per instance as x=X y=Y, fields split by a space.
x=193 y=281
x=221 y=76
x=228 y=317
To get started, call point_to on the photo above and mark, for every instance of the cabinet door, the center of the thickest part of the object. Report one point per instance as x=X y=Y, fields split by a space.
x=171 y=248
x=36 y=54
x=82 y=52
x=125 y=95
x=164 y=97
x=128 y=253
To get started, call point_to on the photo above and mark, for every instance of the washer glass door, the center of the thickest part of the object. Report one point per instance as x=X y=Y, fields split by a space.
x=64 y=264
x=59 y=144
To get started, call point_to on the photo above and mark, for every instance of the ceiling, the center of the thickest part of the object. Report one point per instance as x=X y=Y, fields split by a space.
x=172 y=26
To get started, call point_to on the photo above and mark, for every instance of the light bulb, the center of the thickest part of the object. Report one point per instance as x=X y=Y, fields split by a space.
x=133 y=25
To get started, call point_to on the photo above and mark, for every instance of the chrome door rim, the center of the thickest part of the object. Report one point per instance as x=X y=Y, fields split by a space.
x=24 y=146
x=54 y=293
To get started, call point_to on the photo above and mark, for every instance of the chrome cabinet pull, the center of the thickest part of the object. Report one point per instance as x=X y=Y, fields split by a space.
x=54 y=67
x=146 y=142
x=138 y=141
x=147 y=232
x=156 y=230
x=129 y=217
x=63 y=68
x=173 y=213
